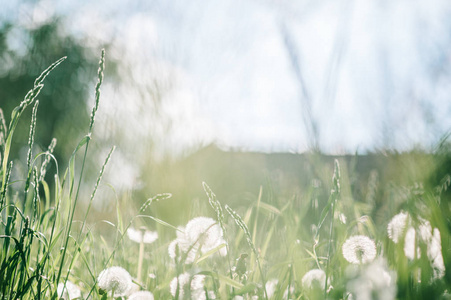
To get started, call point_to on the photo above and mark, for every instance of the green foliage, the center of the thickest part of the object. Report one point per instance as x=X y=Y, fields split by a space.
x=63 y=102
x=43 y=244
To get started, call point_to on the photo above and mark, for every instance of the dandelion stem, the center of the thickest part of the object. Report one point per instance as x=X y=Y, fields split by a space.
x=141 y=255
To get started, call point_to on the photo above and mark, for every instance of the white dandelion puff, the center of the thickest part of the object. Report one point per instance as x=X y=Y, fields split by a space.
x=412 y=240
x=429 y=237
x=179 y=282
x=141 y=295
x=134 y=288
x=211 y=295
x=374 y=281
x=182 y=245
x=409 y=244
x=71 y=291
x=238 y=297
x=188 y=285
x=271 y=286
x=288 y=289
x=142 y=235
x=314 y=279
x=205 y=232
x=197 y=287
x=397 y=225
x=116 y=280
x=435 y=254
x=200 y=234
x=359 y=249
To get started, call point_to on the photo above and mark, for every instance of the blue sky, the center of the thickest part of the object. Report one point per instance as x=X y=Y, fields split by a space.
x=377 y=73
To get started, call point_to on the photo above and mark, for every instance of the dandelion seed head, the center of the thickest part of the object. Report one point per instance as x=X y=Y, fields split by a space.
x=150 y=237
x=70 y=292
x=409 y=244
x=271 y=286
x=138 y=235
x=314 y=279
x=182 y=280
x=359 y=249
x=141 y=295
x=177 y=243
x=374 y=281
x=200 y=234
x=397 y=226
x=435 y=254
x=238 y=297
x=115 y=279
x=413 y=238
x=211 y=295
x=432 y=240
x=196 y=288
x=204 y=231
x=291 y=290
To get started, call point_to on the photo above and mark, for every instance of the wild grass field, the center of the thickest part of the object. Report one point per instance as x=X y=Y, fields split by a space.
x=336 y=239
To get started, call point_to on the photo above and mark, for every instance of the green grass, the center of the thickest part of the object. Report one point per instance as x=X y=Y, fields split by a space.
x=267 y=245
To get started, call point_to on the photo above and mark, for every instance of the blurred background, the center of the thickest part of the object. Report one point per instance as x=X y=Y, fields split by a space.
x=235 y=93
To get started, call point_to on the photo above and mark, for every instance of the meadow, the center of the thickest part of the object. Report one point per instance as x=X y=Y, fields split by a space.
x=339 y=237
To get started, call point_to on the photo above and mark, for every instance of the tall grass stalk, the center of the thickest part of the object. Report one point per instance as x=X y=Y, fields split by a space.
x=236 y=217
x=17 y=112
x=335 y=194
x=217 y=207
x=84 y=141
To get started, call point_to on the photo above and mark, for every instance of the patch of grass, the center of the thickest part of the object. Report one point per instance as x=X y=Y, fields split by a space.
x=336 y=240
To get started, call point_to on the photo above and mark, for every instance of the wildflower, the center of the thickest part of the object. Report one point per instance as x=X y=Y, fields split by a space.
x=396 y=226
x=200 y=234
x=141 y=295
x=409 y=244
x=424 y=236
x=116 y=280
x=290 y=289
x=71 y=291
x=182 y=244
x=142 y=235
x=435 y=254
x=270 y=287
x=431 y=238
x=314 y=279
x=188 y=285
x=374 y=281
x=206 y=232
x=238 y=297
x=359 y=249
